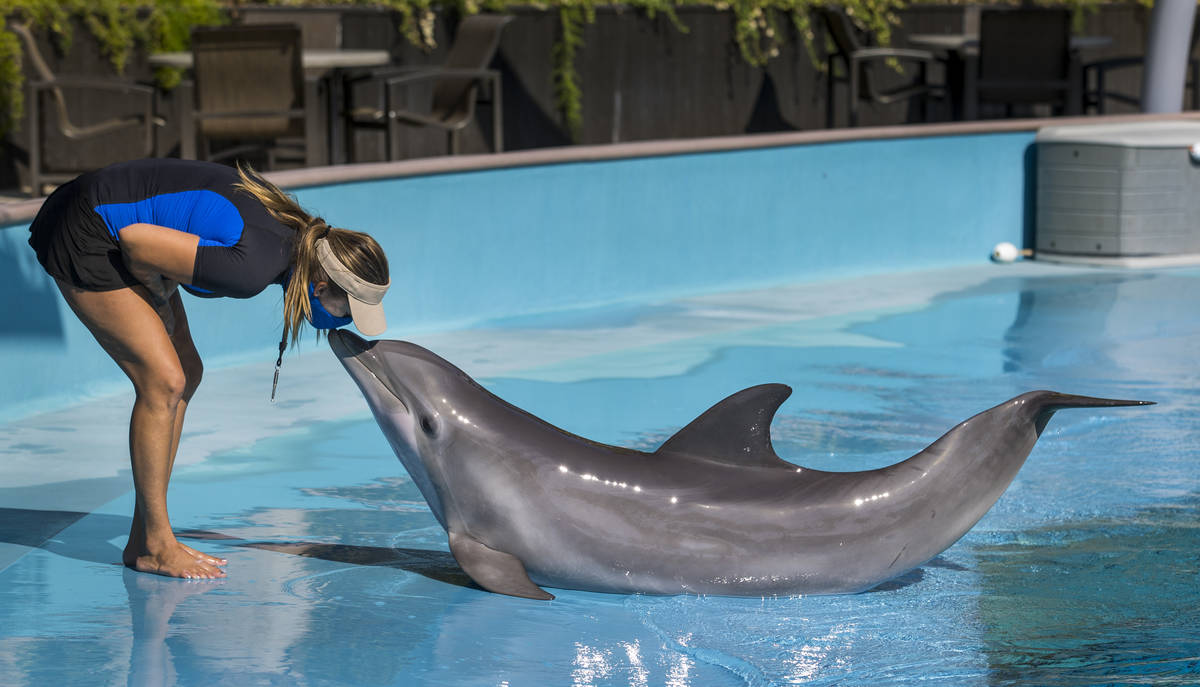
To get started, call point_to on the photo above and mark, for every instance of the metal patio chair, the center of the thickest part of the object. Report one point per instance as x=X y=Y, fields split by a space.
x=250 y=89
x=456 y=87
x=859 y=64
x=56 y=119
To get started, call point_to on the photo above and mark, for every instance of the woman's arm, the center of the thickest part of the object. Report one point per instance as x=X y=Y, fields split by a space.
x=233 y=266
x=161 y=250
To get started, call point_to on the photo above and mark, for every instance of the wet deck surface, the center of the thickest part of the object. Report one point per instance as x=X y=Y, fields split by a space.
x=339 y=575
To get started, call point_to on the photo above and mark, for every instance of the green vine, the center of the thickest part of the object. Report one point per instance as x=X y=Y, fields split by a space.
x=566 y=76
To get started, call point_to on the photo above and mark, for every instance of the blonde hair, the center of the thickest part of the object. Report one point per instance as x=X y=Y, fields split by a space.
x=359 y=252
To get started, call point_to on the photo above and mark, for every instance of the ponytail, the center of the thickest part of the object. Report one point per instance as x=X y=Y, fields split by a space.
x=356 y=250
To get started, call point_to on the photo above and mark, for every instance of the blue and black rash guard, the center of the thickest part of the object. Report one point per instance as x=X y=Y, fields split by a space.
x=242 y=248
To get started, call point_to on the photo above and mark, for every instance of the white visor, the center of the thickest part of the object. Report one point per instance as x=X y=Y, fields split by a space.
x=365 y=298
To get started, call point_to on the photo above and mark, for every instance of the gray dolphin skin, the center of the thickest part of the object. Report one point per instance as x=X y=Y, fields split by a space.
x=713 y=511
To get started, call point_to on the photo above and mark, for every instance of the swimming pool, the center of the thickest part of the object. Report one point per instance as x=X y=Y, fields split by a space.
x=1085 y=572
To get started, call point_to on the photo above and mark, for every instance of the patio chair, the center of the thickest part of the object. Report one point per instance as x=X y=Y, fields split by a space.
x=859 y=64
x=1096 y=98
x=1025 y=59
x=250 y=89
x=57 y=118
x=455 y=85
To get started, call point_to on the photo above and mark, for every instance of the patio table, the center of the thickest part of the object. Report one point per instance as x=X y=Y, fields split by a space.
x=333 y=64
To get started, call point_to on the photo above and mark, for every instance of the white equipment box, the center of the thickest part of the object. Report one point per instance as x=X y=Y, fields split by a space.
x=1118 y=190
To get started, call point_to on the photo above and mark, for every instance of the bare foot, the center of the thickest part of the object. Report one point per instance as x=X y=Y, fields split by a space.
x=203 y=557
x=137 y=544
x=171 y=560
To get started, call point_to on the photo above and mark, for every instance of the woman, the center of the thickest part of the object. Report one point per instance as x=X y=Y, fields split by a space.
x=119 y=240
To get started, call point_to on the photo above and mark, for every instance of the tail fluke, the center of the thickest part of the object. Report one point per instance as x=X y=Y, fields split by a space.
x=1050 y=402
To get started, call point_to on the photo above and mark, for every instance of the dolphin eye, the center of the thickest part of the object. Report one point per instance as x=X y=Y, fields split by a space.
x=427 y=426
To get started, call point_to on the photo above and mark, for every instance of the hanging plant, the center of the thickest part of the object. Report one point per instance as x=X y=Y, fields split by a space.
x=566 y=76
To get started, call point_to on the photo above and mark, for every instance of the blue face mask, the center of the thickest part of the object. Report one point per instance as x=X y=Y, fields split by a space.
x=321 y=318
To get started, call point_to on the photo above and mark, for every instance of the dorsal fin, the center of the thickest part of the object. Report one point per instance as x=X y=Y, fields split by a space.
x=736 y=431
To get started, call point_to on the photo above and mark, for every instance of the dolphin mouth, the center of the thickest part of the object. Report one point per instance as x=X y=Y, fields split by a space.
x=353 y=349
x=348 y=344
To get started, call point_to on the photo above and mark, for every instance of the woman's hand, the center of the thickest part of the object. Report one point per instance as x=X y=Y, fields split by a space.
x=162 y=304
x=159 y=290
x=160 y=258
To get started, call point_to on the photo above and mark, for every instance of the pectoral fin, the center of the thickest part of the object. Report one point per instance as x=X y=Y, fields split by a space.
x=495 y=571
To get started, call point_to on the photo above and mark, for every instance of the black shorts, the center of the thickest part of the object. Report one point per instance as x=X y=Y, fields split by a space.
x=74 y=245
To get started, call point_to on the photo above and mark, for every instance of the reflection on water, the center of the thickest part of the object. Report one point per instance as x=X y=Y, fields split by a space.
x=152 y=603
x=1057 y=318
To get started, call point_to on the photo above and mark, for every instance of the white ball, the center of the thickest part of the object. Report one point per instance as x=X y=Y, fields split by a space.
x=1004 y=252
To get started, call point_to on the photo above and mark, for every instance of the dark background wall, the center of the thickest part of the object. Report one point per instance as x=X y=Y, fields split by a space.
x=642 y=79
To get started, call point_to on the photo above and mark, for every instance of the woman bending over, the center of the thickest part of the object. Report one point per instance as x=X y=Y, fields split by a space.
x=118 y=242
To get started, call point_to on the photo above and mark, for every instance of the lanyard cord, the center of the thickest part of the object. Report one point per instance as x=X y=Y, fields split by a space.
x=278 y=363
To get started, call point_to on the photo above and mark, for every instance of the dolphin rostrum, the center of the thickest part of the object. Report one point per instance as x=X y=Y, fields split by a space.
x=712 y=511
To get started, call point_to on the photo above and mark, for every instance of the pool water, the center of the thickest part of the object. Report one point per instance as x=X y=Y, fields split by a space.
x=1087 y=570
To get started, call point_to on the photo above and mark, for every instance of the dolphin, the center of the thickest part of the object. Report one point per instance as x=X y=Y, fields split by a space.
x=713 y=511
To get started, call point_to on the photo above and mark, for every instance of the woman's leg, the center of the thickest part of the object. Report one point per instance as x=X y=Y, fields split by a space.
x=193 y=370
x=128 y=328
